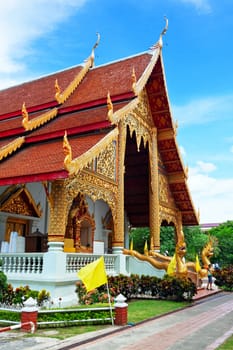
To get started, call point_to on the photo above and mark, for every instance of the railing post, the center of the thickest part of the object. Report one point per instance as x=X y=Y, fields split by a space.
x=29 y=315
x=121 y=311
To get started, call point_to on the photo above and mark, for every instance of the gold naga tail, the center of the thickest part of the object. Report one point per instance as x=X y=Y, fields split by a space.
x=183 y=268
x=161 y=265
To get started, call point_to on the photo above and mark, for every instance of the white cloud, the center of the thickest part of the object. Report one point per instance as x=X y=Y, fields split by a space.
x=22 y=22
x=201 y=5
x=206 y=167
x=201 y=111
x=212 y=196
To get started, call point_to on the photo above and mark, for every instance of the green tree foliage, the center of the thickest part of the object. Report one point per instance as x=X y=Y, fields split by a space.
x=167 y=240
x=140 y=236
x=224 y=252
x=195 y=240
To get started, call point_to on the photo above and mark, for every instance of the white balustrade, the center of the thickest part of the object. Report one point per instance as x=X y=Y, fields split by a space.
x=27 y=263
x=74 y=262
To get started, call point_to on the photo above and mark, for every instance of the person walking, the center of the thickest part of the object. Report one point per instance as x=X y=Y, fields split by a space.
x=210 y=277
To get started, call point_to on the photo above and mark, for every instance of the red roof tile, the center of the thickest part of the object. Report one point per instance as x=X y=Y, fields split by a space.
x=36 y=92
x=44 y=158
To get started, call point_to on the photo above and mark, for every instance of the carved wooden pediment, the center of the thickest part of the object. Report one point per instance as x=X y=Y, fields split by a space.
x=16 y=199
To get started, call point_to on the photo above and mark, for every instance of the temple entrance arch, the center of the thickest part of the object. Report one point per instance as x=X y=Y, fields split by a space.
x=136 y=181
x=80 y=226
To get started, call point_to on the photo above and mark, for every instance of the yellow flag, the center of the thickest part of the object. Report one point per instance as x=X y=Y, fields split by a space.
x=131 y=244
x=93 y=275
x=171 y=269
x=197 y=264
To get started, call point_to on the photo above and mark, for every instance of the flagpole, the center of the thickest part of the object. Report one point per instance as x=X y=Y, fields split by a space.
x=109 y=301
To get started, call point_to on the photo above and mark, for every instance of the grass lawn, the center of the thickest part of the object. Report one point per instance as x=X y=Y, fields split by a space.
x=228 y=345
x=141 y=310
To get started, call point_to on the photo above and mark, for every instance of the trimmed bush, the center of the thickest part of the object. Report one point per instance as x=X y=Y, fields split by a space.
x=140 y=287
x=224 y=278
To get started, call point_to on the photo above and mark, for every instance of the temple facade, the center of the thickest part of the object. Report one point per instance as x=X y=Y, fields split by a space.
x=86 y=154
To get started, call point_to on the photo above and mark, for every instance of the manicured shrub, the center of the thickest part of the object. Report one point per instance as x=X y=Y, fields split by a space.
x=139 y=287
x=224 y=278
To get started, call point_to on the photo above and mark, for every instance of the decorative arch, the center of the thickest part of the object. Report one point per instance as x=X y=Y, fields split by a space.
x=80 y=225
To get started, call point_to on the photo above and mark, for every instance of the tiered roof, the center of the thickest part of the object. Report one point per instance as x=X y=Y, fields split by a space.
x=35 y=115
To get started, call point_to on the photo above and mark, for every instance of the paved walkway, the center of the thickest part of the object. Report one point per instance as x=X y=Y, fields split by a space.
x=202 y=326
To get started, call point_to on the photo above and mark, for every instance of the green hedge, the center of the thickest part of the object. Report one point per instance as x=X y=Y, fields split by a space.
x=63 y=317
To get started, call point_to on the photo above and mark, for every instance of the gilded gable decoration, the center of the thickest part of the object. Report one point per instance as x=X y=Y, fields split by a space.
x=95 y=187
x=11 y=147
x=16 y=199
x=73 y=166
x=39 y=120
x=105 y=162
x=61 y=97
x=164 y=191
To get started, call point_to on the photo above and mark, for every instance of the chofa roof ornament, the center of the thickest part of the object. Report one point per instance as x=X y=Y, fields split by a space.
x=159 y=43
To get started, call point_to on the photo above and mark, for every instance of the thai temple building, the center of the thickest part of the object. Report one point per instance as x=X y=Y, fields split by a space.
x=86 y=154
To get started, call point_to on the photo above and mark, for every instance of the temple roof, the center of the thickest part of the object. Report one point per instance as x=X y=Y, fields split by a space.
x=35 y=115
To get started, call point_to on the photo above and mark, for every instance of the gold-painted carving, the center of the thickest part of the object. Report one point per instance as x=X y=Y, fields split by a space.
x=59 y=212
x=110 y=108
x=165 y=195
x=73 y=166
x=61 y=97
x=18 y=200
x=78 y=216
x=106 y=161
x=94 y=186
x=11 y=147
x=39 y=120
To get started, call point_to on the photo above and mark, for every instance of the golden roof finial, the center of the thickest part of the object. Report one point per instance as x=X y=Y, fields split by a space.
x=67 y=150
x=164 y=31
x=134 y=81
x=25 y=116
x=57 y=89
x=159 y=43
x=93 y=49
x=110 y=108
x=37 y=121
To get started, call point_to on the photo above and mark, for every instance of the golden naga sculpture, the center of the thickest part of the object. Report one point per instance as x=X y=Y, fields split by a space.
x=162 y=262
x=37 y=121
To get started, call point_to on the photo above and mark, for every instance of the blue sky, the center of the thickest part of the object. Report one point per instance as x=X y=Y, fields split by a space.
x=43 y=36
